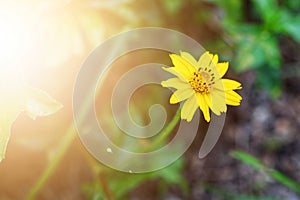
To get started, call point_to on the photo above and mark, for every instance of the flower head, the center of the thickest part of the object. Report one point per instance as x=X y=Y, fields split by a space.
x=200 y=83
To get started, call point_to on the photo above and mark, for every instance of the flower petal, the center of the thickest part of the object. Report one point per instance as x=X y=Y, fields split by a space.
x=189 y=108
x=218 y=101
x=231 y=84
x=233 y=98
x=222 y=68
x=175 y=72
x=232 y=102
x=180 y=95
x=175 y=83
x=189 y=58
x=203 y=106
x=214 y=58
x=208 y=100
x=234 y=95
x=204 y=60
x=218 y=85
x=183 y=66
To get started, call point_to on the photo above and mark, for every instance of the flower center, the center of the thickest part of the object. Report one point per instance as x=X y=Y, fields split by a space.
x=198 y=83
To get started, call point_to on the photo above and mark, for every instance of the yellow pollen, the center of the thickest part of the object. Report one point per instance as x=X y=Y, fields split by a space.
x=198 y=83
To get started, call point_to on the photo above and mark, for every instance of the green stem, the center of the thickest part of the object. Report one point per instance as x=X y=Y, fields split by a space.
x=64 y=145
x=166 y=132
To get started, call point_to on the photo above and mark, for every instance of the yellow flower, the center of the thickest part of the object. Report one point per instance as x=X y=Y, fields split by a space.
x=200 y=83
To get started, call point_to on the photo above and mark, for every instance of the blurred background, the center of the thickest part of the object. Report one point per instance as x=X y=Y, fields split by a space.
x=258 y=154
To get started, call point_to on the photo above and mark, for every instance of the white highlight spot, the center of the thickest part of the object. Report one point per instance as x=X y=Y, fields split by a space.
x=109 y=150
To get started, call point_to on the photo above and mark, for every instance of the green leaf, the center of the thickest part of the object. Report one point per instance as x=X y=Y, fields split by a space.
x=232 y=10
x=291 y=26
x=18 y=97
x=269 y=79
x=248 y=159
x=266 y=8
x=284 y=180
x=249 y=54
x=292 y=5
x=172 y=175
x=270 y=49
x=257 y=164
x=286 y=23
x=39 y=103
x=119 y=187
x=255 y=48
x=11 y=104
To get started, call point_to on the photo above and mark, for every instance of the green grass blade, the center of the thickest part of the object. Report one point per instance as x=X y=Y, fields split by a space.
x=274 y=174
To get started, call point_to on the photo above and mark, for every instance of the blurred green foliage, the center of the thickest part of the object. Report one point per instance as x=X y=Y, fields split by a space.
x=226 y=195
x=256 y=28
x=258 y=165
x=253 y=31
x=120 y=184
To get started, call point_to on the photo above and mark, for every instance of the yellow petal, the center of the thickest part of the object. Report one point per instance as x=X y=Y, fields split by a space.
x=203 y=106
x=175 y=72
x=233 y=95
x=204 y=60
x=218 y=85
x=231 y=84
x=189 y=108
x=232 y=102
x=183 y=66
x=233 y=98
x=208 y=100
x=189 y=58
x=175 y=83
x=181 y=95
x=222 y=68
x=214 y=58
x=218 y=101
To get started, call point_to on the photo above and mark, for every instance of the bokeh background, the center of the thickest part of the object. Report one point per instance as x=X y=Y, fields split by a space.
x=258 y=154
